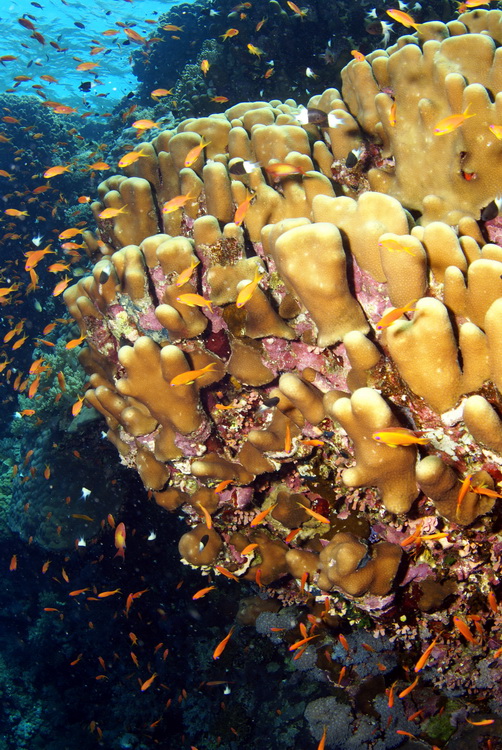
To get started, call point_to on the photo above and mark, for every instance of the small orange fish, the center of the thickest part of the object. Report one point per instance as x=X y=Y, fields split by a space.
x=75 y=342
x=15 y=212
x=98 y=165
x=394 y=246
x=278 y=171
x=186 y=274
x=195 y=152
x=464 y=489
x=61 y=286
x=111 y=213
x=55 y=171
x=408 y=689
x=67 y=234
x=202 y=592
x=78 y=591
x=222 y=485
x=145 y=124
x=120 y=540
x=189 y=377
x=226 y=573
x=145 y=685
x=425 y=656
x=229 y=33
x=242 y=209
x=393 y=315
x=249 y=548
x=87 y=66
x=463 y=629
x=219 y=99
x=404 y=18
x=322 y=741
x=482 y=723
x=291 y=535
x=451 y=123
x=357 y=55
x=13 y=563
x=77 y=406
x=176 y=203
x=302 y=642
x=492 y=602
x=106 y=594
x=222 y=644
x=294 y=7
x=260 y=517
x=130 y=158
x=248 y=290
x=204 y=66
x=314 y=514
x=195 y=300
x=496 y=129
x=395 y=436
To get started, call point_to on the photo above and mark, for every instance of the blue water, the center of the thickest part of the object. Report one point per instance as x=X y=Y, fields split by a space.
x=55 y=20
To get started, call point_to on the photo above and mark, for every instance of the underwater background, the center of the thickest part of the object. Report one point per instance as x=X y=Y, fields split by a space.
x=107 y=638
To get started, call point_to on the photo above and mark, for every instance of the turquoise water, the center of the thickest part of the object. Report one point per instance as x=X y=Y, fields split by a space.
x=56 y=22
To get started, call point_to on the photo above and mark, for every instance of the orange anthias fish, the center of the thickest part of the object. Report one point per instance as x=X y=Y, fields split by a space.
x=294 y=7
x=176 y=203
x=394 y=436
x=404 y=18
x=130 y=158
x=222 y=644
x=322 y=741
x=120 y=540
x=157 y=93
x=249 y=289
x=111 y=213
x=61 y=286
x=75 y=342
x=357 y=55
x=145 y=124
x=195 y=152
x=87 y=66
x=204 y=66
x=229 y=33
x=145 y=685
x=189 y=377
x=393 y=315
x=54 y=171
x=35 y=256
x=242 y=209
x=448 y=124
x=67 y=234
x=314 y=514
x=279 y=171
x=195 y=300
x=393 y=245
x=262 y=515
x=425 y=656
x=186 y=274
x=462 y=628
x=202 y=592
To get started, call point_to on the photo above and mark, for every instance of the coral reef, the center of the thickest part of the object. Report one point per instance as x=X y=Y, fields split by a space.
x=304 y=355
